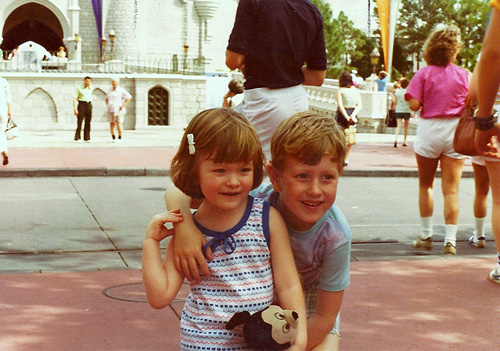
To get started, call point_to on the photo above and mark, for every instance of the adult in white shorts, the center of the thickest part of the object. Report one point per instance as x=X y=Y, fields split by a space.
x=116 y=100
x=265 y=108
x=439 y=91
x=5 y=114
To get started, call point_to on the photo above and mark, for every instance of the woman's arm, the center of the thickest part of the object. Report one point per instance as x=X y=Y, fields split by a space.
x=286 y=279
x=340 y=104
x=188 y=254
x=414 y=104
x=161 y=281
x=488 y=82
x=357 y=109
x=394 y=101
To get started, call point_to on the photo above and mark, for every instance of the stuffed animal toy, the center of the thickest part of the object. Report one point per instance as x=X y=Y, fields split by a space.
x=269 y=329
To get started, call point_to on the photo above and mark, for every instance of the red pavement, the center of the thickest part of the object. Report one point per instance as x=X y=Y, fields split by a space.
x=381 y=156
x=438 y=304
x=444 y=304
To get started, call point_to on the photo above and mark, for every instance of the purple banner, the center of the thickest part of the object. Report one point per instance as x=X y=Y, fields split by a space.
x=97 y=5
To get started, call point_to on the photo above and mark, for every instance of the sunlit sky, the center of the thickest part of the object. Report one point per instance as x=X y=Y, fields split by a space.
x=356 y=11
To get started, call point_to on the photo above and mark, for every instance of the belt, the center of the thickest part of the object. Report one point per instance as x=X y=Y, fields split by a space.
x=85 y=102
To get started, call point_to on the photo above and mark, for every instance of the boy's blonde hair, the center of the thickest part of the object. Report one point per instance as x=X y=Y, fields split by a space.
x=442 y=45
x=222 y=135
x=307 y=136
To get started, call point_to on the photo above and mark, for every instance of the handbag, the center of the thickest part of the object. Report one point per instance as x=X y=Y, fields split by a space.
x=391 y=120
x=463 y=140
x=12 y=130
x=350 y=135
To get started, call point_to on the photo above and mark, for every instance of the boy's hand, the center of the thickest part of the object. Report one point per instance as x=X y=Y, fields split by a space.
x=156 y=229
x=189 y=255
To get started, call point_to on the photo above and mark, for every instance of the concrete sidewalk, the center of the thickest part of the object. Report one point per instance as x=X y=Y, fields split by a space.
x=423 y=303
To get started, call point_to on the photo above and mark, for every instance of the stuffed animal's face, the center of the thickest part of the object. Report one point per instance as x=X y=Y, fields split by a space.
x=284 y=323
x=269 y=329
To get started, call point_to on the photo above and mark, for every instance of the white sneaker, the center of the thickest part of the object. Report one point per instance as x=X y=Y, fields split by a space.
x=495 y=276
x=118 y=141
x=479 y=242
x=78 y=141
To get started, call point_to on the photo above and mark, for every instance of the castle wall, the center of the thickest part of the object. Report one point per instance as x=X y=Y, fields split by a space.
x=45 y=103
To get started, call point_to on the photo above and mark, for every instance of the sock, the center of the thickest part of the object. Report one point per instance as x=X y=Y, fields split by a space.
x=113 y=136
x=480 y=225
x=450 y=234
x=426 y=226
x=498 y=265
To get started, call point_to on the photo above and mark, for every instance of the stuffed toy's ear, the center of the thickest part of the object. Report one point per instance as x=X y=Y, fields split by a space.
x=237 y=319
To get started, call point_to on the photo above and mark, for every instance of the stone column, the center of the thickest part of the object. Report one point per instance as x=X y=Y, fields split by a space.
x=75 y=45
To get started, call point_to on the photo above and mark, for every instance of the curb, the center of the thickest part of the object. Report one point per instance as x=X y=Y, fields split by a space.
x=161 y=172
x=84 y=172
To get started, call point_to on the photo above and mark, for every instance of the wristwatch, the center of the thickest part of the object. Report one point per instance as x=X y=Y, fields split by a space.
x=486 y=123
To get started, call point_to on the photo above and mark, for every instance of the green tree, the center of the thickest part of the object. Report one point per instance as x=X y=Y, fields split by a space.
x=344 y=43
x=418 y=17
x=333 y=41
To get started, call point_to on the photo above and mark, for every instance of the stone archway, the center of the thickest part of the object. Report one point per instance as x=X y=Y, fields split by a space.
x=35 y=22
x=38 y=110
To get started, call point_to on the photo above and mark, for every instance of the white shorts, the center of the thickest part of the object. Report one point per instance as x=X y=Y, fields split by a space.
x=117 y=117
x=265 y=108
x=435 y=138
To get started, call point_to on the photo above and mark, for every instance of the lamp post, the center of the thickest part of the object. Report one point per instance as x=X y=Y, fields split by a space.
x=103 y=48
x=112 y=37
x=186 y=48
x=374 y=57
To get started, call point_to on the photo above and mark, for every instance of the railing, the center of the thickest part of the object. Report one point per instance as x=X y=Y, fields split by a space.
x=154 y=64
x=373 y=112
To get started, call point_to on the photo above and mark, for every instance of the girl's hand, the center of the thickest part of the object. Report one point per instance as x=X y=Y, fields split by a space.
x=156 y=229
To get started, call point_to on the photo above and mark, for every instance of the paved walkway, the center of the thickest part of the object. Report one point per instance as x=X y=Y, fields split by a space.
x=441 y=303
x=53 y=153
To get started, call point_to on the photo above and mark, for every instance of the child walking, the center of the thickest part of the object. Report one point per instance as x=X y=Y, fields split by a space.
x=308 y=152
x=218 y=163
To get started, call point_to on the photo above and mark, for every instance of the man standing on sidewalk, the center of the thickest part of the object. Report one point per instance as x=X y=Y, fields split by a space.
x=82 y=105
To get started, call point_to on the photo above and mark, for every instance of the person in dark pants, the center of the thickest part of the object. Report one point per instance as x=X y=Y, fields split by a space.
x=82 y=104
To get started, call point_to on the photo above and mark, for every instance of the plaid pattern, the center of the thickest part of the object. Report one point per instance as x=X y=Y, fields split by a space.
x=311 y=296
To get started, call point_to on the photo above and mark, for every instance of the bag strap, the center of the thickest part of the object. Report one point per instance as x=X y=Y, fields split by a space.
x=470 y=103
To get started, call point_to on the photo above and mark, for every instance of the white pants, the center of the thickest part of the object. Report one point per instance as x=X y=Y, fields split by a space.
x=4 y=117
x=265 y=108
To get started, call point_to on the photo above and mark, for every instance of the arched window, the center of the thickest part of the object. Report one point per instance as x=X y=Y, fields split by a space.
x=158 y=107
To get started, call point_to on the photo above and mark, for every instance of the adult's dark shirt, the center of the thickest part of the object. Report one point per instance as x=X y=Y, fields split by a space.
x=277 y=37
